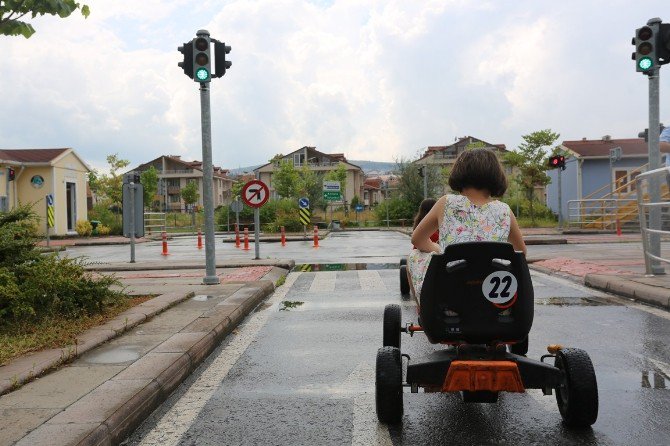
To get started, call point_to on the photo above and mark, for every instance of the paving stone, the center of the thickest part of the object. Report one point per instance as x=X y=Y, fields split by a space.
x=202 y=348
x=92 y=338
x=15 y=423
x=148 y=366
x=124 y=350
x=59 y=434
x=179 y=342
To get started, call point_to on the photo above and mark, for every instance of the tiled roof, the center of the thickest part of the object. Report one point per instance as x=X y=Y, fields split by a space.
x=601 y=147
x=31 y=155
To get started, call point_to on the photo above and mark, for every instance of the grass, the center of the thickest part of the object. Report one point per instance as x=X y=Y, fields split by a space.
x=539 y=223
x=22 y=337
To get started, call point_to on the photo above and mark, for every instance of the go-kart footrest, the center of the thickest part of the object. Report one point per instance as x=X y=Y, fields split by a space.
x=474 y=376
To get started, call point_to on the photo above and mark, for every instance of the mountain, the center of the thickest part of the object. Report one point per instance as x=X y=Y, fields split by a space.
x=367 y=166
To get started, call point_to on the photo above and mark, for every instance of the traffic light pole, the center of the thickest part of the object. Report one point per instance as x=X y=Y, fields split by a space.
x=560 y=199
x=654 y=163
x=425 y=182
x=206 y=117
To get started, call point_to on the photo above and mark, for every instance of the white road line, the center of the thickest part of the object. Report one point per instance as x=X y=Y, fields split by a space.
x=662 y=366
x=324 y=281
x=546 y=402
x=171 y=427
x=367 y=430
x=371 y=280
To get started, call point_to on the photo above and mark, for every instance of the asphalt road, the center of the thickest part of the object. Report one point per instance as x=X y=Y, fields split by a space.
x=301 y=369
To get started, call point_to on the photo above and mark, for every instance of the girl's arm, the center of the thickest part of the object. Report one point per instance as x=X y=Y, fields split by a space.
x=515 y=237
x=426 y=228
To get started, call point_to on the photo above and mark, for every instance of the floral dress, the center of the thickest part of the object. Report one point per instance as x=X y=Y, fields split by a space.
x=463 y=221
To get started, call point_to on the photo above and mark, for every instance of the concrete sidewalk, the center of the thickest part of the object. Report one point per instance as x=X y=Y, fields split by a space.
x=118 y=373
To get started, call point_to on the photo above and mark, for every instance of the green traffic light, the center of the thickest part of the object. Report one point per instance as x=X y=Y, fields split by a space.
x=202 y=74
x=645 y=63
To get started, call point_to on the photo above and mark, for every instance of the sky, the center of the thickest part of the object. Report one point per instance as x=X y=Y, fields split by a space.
x=375 y=80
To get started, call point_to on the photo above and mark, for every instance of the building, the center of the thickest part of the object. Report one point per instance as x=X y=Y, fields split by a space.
x=41 y=172
x=377 y=188
x=444 y=157
x=320 y=163
x=590 y=175
x=174 y=174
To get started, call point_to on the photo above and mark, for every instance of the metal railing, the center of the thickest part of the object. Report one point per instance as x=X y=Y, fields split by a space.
x=652 y=225
x=597 y=213
x=154 y=222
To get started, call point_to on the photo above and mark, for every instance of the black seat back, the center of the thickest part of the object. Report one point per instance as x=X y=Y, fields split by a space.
x=476 y=281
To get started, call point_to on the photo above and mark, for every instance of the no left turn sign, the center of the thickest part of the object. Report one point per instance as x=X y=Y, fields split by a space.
x=255 y=193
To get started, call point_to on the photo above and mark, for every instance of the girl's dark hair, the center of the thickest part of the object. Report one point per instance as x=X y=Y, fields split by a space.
x=478 y=168
x=425 y=207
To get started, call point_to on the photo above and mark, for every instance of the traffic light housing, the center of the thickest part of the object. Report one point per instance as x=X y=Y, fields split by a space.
x=202 y=61
x=220 y=62
x=663 y=43
x=187 y=64
x=556 y=161
x=11 y=174
x=421 y=174
x=645 y=42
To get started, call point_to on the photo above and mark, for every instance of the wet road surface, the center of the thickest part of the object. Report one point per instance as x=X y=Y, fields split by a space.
x=301 y=371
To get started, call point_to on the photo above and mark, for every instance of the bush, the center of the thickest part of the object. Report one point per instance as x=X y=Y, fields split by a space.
x=104 y=230
x=84 y=228
x=398 y=209
x=35 y=286
x=104 y=214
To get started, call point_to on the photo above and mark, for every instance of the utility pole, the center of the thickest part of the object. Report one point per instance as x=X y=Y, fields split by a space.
x=654 y=163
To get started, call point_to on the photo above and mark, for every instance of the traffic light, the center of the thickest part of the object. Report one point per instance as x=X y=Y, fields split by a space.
x=202 y=67
x=663 y=43
x=645 y=134
x=421 y=171
x=645 y=47
x=11 y=174
x=220 y=62
x=187 y=64
x=556 y=161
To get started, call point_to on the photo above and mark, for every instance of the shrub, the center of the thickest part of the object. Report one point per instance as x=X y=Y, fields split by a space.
x=398 y=209
x=104 y=230
x=84 y=228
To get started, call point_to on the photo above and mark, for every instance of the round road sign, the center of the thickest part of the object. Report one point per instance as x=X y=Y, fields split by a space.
x=303 y=203
x=236 y=206
x=255 y=193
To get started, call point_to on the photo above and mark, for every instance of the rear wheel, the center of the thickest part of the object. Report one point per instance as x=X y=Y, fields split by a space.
x=520 y=348
x=403 y=261
x=388 y=385
x=577 y=396
x=392 y=325
x=404 y=280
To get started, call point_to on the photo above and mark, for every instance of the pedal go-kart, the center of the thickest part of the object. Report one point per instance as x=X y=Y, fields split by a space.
x=477 y=298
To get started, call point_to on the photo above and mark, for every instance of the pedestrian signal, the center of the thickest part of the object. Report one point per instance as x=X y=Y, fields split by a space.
x=556 y=161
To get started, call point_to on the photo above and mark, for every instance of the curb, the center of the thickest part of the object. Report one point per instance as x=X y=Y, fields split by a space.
x=145 y=266
x=628 y=287
x=134 y=411
x=31 y=366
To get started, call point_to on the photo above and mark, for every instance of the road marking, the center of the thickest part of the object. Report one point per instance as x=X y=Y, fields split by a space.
x=173 y=424
x=324 y=281
x=662 y=366
x=367 y=430
x=371 y=280
x=546 y=402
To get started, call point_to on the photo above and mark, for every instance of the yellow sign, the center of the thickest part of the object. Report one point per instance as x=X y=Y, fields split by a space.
x=305 y=216
x=51 y=219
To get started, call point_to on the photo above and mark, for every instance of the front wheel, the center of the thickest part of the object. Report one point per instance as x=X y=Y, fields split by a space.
x=577 y=396
x=392 y=325
x=520 y=348
x=388 y=385
x=404 y=281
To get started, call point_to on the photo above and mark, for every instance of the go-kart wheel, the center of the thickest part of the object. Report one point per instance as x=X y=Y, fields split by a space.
x=520 y=348
x=388 y=385
x=392 y=325
x=577 y=396
x=403 y=261
x=404 y=281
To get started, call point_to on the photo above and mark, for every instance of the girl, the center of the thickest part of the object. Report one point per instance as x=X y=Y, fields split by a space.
x=471 y=216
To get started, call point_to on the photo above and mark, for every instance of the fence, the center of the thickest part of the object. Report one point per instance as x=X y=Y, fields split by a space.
x=154 y=222
x=653 y=216
x=598 y=213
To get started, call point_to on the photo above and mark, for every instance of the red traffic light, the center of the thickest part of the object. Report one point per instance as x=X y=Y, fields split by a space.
x=645 y=33
x=11 y=174
x=557 y=161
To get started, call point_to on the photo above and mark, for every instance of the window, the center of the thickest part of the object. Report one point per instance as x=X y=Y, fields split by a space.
x=624 y=180
x=298 y=159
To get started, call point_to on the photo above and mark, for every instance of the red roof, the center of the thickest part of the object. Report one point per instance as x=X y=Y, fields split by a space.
x=601 y=147
x=31 y=155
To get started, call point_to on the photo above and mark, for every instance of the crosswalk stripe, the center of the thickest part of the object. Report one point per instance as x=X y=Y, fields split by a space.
x=371 y=280
x=324 y=281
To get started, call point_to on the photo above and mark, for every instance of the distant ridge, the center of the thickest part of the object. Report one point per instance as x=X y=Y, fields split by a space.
x=367 y=166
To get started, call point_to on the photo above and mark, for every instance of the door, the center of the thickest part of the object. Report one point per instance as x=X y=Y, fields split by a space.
x=71 y=203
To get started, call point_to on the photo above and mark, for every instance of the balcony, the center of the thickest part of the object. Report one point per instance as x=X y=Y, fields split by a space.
x=173 y=190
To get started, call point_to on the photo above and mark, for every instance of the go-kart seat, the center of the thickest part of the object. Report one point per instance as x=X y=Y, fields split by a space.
x=487 y=284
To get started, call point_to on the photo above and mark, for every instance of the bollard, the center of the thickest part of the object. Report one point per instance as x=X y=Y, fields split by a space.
x=246 y=239
x=199 y=239
x=237 y=236
x=618 y=227
x=316 y=236
x=283 y=236
x=165 y=247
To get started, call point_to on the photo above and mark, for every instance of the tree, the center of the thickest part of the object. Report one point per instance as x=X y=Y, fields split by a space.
x=310 y=185
x=190 y=193
x=12 y=11
x=285 y=180
x=339 y=174
x=530 y=160
x=111 y=186
x=410 y=184
x=149 y=180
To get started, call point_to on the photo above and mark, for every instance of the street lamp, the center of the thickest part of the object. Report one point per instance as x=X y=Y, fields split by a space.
x=386 y=201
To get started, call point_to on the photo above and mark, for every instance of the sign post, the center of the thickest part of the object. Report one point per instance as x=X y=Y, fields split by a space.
x=255 y=194
x=51 y=220
x=237 y=206
x=133 y=209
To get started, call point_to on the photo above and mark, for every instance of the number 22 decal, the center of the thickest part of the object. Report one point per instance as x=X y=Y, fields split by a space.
x=500 y=288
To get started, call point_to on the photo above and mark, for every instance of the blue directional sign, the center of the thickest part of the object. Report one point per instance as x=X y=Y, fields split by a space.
x=303 y=203
x=359 y=208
